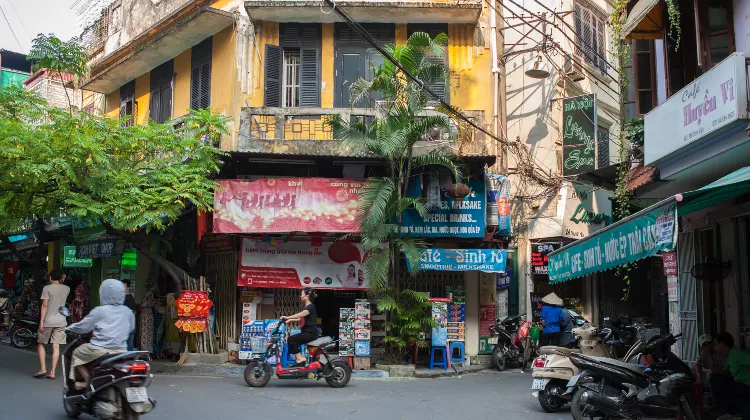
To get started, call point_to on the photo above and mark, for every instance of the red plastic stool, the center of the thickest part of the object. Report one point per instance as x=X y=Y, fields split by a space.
x=696 y=391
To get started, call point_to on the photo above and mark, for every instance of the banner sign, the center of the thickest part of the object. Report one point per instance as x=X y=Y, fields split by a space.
x=100 y=249
x=212 y=243
x=287 y=205
x=579 y=134
x=487 y=260
x=540 y=256
x=298 y=264
x=454 y=218
x=631 y=241
x=70 y=260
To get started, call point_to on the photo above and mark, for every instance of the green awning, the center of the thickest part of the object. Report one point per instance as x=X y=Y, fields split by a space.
x=642 y=234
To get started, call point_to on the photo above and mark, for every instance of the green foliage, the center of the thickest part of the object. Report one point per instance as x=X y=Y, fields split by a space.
x=675 y=31
x=402 y=121
x=49 y=52
x=407 y=322
x=134 y=178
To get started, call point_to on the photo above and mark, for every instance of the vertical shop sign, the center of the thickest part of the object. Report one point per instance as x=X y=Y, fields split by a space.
x=487 y=310
x=540 y=256
x=579 y=134
x=670 y=263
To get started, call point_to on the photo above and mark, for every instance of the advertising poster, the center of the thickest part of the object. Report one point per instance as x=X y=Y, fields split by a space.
x=453 y=218
x=440 y=331
x=487 y=310
x=298 y=264
x=287 y=205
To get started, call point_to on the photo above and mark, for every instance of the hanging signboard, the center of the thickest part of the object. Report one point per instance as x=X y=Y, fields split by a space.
x=579 y=134
x=212 y=243
x=70 y=260
x=631 y=241
x=453 y=218
x=669 y=260
x=287 y=205
x=586 y=210
x=100 y=249
x=487 y=260
x=540 y=256
x=298 y=264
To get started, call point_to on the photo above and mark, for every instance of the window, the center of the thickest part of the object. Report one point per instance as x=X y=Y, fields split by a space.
x=590 y=39
x=160 y=106
x=645 y=75
x=200 y=74
x=717 y=31
x=602 y=146
x=292 y=69
x=127 y=103
x=355 y=59
x=291 y=78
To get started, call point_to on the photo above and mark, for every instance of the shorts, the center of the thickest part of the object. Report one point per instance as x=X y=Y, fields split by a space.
x=86 y=353
x=55 y=335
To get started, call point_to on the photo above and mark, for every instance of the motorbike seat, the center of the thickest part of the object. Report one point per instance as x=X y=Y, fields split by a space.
x=616 y=363
x=564 y=351
x=110 y=359
x=320 y=341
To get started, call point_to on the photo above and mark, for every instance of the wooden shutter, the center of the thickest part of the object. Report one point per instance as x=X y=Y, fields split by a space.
x=160 y=105
x=272 y=96
x=200 y=75
x=309 y=78
x=127 y=94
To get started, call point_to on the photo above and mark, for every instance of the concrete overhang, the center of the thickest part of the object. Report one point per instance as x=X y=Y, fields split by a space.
x=366 y=11
x=165 y=40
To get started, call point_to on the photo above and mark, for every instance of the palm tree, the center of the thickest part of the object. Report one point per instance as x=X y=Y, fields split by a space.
x=404 y=118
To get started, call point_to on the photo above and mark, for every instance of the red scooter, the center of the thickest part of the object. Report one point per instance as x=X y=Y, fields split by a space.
x=334 y=369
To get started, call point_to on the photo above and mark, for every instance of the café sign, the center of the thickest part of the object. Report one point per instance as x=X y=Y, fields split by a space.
x=487 y=260
x=622 y=243
x=713 y=103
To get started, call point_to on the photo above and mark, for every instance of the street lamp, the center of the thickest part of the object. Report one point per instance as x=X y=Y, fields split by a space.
x=538 y=69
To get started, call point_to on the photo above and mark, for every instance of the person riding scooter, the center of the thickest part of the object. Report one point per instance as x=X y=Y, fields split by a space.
x=111 y=324
x=309 y=328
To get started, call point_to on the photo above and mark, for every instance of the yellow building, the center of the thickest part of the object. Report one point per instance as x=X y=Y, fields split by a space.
x=277 y=68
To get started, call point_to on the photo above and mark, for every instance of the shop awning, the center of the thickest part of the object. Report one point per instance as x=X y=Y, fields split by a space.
x=642 y=234
x=644 y=21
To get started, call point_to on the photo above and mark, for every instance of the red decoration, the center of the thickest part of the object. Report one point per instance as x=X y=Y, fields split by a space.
x=458 y=191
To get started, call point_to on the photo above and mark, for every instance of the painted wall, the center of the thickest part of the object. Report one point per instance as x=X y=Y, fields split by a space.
x=741 y=10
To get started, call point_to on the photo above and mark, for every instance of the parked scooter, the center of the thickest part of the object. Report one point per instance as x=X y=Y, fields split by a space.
x=508 y=345
x=661 y=390
x=335 y=370
x=23 y=332
x=117 y=390
x=553 y=368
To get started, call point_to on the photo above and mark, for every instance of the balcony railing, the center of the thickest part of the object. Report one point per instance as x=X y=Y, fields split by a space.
x=305 y=131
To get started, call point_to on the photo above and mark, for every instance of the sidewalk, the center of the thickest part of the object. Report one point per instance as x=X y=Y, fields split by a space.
x=166 y=367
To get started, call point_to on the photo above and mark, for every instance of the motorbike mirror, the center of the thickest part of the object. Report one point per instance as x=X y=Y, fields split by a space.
x=64 y=311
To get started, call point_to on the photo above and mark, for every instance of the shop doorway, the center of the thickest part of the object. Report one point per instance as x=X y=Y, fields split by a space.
x=329 y=303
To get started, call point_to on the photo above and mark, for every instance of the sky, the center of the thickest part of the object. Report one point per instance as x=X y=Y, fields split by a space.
x=31 y=17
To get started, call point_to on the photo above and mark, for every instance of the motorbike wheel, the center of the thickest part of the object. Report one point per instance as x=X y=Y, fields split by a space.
x=257 y=374
x=577 y=406
x=498 y=357
x=22 y=338
x=547 y=399
x=341 y=374
x=71 y=411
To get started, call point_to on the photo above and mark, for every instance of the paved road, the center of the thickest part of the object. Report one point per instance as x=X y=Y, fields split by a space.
x=481 y=396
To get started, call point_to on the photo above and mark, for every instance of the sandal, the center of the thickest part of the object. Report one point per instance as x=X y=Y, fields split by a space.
x=50 y=377
x=40 y=375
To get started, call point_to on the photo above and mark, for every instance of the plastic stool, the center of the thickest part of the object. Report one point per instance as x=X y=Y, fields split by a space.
x=288 y=358
x=443 y=362
x=457 y=345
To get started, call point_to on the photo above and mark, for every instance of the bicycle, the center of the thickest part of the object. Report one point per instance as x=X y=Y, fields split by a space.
x=530 y=346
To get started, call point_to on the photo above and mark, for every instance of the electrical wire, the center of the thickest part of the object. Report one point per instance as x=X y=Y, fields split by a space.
x=11 y=29
x=19 y=19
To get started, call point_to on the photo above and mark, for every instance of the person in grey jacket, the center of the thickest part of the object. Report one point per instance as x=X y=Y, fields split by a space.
x=111 y=324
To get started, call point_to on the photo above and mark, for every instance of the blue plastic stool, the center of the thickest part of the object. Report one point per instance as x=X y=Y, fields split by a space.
x=288 y=358
x=461 y=358
x=443 y=362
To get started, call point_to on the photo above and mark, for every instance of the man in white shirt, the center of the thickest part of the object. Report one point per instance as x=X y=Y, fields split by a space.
x=51 y=323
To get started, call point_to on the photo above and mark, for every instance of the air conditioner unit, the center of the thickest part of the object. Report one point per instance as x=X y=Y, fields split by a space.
x=573 y=70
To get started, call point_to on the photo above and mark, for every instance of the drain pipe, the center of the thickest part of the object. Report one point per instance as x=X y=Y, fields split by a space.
x=495 y=72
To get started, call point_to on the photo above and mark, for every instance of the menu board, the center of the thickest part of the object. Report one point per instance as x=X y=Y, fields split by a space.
x=536 y=306
x=346 y=332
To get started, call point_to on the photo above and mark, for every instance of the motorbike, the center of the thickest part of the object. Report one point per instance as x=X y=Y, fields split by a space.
x=23 y=332
x=659 y=390
x=335 y=370
x=6 y=310
x=552 y=370
x=508 y=344
x=117 y=389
